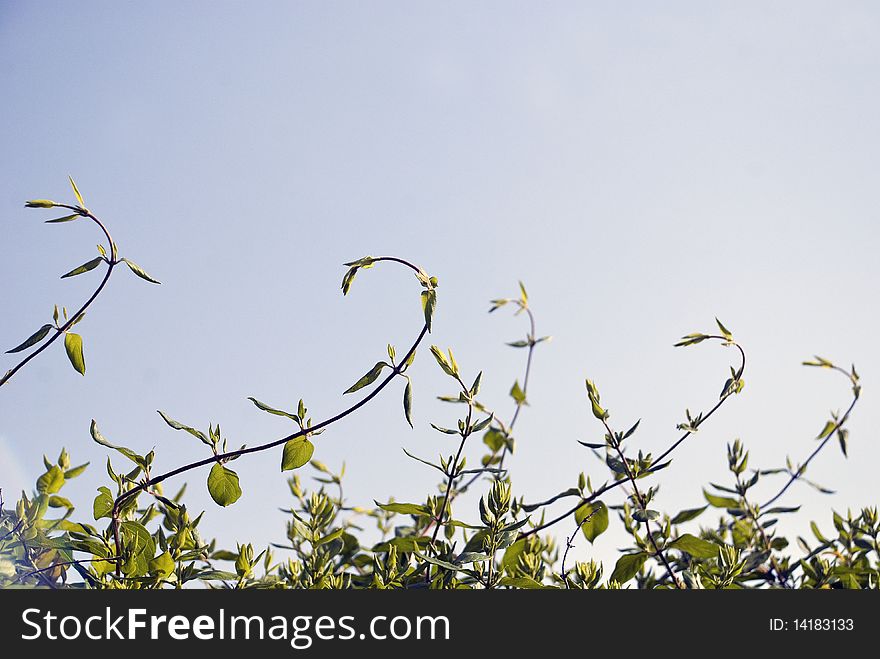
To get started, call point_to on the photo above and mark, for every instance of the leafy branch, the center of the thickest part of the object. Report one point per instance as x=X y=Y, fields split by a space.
x=732 y=385
x=72 y=341
x=223 y=482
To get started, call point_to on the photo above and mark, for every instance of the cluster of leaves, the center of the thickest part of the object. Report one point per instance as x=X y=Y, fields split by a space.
x=137 y=537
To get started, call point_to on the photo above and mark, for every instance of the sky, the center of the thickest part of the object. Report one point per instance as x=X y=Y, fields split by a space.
x=642 y=167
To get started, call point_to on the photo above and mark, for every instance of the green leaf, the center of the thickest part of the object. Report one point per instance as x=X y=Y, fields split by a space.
x=688 y=515
x=139 y=271
x=512 y=554
x=371 y=376
x=429 y=303
x=517 y=393
x=76 y=471
x=56 y=501
x=139 y=540
x=223 y=485
x=66 y=218
x=597 y=522
x=103 y=505
x=74 y=346
x=85 y=267
x=628 y=566
x=163 y=565
x=272 y=410
x=720 y=502
x=407 y=403
x=724 y=330
x=645 y=515
x=100 y=439
x=76 y=191
x=442 y=360
x=297 y=452
x=826 y=430
x=494 y=439
x=51 y=481
x=403 y=508
x=179 y=426
x=523 y=582
x=33 y=339
x=40 y=203
x=696 y=547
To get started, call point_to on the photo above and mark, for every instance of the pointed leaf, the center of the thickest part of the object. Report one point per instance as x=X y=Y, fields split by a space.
x=76 y=191
x=407 y=403
x=74 y=347
x=139 y=271
x=179 y=426
x=628 y=566
x=403 y=508
x=371 y=376
x=429 y=303
x=272 y=410
x=85 y=267
x=720 y=502
x=696 y=547
x=688 y=515
x=33 y=339
x=100 y=439
x=66 y=218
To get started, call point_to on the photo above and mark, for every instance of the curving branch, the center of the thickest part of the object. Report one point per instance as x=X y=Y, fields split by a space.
x=111 y=262
x=834 y=428
x=223 y=457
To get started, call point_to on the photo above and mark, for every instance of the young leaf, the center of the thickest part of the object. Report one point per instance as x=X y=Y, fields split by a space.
x=596 y=516
x=297 y=452
x=407 y=403
x=103 y=505
x=371 y=376
x=76 y=191
x=85 y=267
x=628 y=566
x=429 y=303
x=518 y=394
x=40 y=203
x=403 y=508
x=66 y=218
x=33 y=339
x=696 y=547
x=74 y=347
x=720 y=502
x=139 y=271
x=442 y=360
x=688 y=515
x=826 y=430
x=272 y=410
x=223 y=485
x=100 y=439
x=51 y=481
x=179 y=426
x=724 y=331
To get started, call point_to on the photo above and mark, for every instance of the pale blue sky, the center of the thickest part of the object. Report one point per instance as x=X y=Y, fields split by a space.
x=642 y=167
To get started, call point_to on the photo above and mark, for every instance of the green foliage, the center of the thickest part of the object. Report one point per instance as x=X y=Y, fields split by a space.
x=136 y=537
